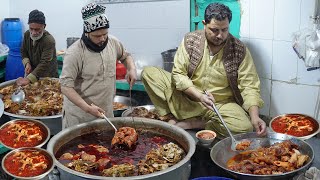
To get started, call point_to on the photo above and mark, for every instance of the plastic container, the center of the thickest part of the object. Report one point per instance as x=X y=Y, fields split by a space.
x=121 y=71
x=11 y=32
x=14 y=66
x=168 y=57
x=71 y=40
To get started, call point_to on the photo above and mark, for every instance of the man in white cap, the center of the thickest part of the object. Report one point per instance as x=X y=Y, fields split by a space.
x=38 y=50
x=89 y=70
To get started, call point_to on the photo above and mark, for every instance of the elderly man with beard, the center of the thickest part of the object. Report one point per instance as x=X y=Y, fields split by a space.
x=38 y=50
x=215 y=61
x=89 y=70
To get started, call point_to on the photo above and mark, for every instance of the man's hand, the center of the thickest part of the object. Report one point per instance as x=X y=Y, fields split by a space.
x=28 y=69
x=22 y=81
x=207 y=100
x=258 y=124
x=131 y=77
x=95 y=111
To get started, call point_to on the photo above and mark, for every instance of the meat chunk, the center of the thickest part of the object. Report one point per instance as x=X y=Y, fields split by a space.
x=126 y=136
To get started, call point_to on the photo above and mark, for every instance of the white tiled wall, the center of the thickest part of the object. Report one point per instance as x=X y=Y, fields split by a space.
x=267 y=27
x=4 y=11
x=145 y=28
x=293 y=98
x=284 y=64
x=286 y=17
x=149 y=28
x=261 y=19
x=266 y=95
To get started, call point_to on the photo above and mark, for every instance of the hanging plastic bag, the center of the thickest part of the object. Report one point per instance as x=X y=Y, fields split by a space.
x=4 y=49
x=306 y=44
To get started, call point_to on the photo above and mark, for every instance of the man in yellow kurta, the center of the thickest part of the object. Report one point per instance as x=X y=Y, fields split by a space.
x=212 y=60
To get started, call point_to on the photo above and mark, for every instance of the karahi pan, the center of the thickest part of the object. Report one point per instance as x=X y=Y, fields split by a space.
x=221 y=153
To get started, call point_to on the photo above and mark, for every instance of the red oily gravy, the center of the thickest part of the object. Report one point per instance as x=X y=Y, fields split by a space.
x=16 y=164
x=117 y=154
x=295 y=125
x=22 y=134
x=206 y=135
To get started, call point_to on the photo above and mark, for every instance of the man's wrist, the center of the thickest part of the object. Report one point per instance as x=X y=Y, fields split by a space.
x=25 y=61
x=32 y=78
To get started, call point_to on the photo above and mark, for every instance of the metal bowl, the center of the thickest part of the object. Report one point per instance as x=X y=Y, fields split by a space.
x=303 y=115
x=42 y=126
x=7 y=83
x=181 y=170
x=127 y=113
x=45 y=152
x=1 y=107
x=221 y=153
x=124 y=100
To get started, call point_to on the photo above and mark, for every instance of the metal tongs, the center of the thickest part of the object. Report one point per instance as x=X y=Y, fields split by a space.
x=234 y=142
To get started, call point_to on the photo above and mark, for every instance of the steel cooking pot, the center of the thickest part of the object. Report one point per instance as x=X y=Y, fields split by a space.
x=181 y=170
x=221 y=153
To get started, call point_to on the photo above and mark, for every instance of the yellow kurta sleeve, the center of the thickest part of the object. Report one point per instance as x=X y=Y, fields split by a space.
x=180 y=69
x=249 y=83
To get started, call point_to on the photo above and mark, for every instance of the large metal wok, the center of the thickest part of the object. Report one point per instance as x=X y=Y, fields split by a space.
x=7 y=83
x=181 y=170
x=221 y=153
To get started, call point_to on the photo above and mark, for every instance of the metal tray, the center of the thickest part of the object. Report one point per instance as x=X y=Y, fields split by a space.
x=127 y=112
x=7 y=83
x=123 y=100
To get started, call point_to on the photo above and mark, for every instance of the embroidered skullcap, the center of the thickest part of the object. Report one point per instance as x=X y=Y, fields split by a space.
x=36 y=16
x=94 y=17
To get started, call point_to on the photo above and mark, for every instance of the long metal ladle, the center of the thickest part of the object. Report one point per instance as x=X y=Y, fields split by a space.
x=234 y=142
x=105 y=117
x=18 y=96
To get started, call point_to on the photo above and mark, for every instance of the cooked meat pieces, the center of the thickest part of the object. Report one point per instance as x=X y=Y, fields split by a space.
x=126 y=136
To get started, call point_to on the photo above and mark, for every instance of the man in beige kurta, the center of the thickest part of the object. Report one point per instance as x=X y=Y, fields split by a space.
x=89 y=70
x=183 y=95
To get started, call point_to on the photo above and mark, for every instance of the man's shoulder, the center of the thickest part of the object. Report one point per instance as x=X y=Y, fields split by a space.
x=26 y=34
x=194 y=33
x=48 y=37
x=113 y=39
x=237 y=40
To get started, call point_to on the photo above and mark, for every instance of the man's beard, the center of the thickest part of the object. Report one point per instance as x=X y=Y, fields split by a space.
x=35 y=38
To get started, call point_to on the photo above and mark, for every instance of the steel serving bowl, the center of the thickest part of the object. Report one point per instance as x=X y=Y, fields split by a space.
x=206 y=141
x=42 y=126
x=302 y=115
x=1 y=107
x=7 y=83
x=221 y=152
x=42 y=151
x=181 y=170
x=123 y=100
x=128 y=112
